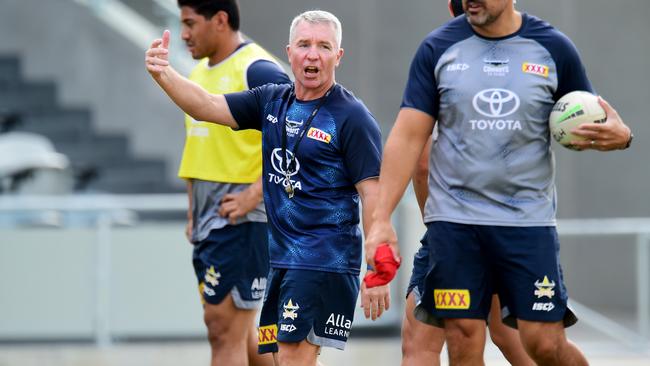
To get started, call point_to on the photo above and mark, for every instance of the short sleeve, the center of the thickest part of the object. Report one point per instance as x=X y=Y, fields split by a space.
x=263 y=72
x=421 y=92
x=246 y=107
x=571 y=72
x=361 y=145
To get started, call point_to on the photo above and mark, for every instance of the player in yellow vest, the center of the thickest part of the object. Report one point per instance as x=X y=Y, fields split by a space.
x=223 y=168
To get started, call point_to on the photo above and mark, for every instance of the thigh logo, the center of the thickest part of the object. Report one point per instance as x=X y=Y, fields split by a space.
x=543 y=306
x=290 y=310
x=257 y=288
x=287 y=328
x=338 y=325
x=451 y=299
x=545 y=288
x=267 y=334
x=212 y=277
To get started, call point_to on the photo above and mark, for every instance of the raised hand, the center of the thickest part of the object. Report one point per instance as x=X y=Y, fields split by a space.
x=157 y=56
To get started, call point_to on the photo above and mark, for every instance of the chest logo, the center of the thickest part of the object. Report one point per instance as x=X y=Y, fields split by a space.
x=278 y=162
x=535 y=69
x=293 y=127
x=496 y=67
x=496 y=103
x=319 y=135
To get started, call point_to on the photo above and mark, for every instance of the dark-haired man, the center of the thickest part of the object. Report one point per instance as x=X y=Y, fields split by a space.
x=489 y=80
x=422 y=343
x=222 y=167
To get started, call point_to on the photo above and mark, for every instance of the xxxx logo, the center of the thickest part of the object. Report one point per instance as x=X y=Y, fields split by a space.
x=267 y=334
x=319 y=135
x=536 y=69
x=452 y=299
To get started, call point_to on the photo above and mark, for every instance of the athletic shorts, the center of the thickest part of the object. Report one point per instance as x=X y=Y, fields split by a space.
x=420 y=269
x=233 y=259
x=305 y=304
x=468 y=263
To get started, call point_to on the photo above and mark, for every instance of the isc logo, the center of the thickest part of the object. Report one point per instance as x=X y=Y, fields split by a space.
x=271 y=118
x=543 y=306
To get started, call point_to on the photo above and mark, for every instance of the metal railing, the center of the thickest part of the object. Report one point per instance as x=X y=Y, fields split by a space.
x=640 y=228
x=108 y=211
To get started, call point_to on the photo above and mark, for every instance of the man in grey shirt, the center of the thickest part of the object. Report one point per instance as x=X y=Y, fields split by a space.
x=489 y=79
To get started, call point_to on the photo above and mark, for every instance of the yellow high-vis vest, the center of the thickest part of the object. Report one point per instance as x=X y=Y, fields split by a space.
x=217 y=153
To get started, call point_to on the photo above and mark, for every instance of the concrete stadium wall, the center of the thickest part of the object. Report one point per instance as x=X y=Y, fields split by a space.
x=94 y=67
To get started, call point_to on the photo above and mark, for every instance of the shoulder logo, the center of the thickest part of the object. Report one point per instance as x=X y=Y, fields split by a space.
x=319 y=135
x=457 y=67
x=271 y=118
x=535 y=69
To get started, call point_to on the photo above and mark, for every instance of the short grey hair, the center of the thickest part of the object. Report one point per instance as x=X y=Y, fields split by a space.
x=316 y=17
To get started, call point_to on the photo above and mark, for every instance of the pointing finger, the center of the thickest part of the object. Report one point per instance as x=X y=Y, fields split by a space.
x=165 y=39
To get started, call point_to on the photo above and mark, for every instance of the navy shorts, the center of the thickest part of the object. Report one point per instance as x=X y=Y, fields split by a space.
x=305 y=304
x=420 y=269
x=468 y=263
x=233 y=259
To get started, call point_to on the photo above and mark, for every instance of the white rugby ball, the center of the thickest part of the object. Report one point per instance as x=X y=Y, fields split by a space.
x=572 y=110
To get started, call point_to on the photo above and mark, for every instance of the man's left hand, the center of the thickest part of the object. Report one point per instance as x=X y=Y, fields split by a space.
x=611 y=135
x=374 y=301
x=236 y=205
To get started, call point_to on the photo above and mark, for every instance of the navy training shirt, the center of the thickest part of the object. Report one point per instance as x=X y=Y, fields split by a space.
x=317 y=229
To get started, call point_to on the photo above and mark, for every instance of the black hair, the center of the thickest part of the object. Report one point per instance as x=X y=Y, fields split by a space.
x=208 y=8
x=457 y=7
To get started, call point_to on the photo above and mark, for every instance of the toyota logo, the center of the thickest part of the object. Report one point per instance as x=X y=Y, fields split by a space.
x=496 y=103
x=278 y=161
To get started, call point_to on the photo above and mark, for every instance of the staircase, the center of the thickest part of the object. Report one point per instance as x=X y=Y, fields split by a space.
x=103 y=162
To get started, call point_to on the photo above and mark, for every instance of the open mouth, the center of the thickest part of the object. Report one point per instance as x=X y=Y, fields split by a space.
x=474 y=5
x=311 y=70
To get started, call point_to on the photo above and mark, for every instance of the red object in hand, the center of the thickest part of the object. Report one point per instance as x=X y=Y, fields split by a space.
x=385 y=267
